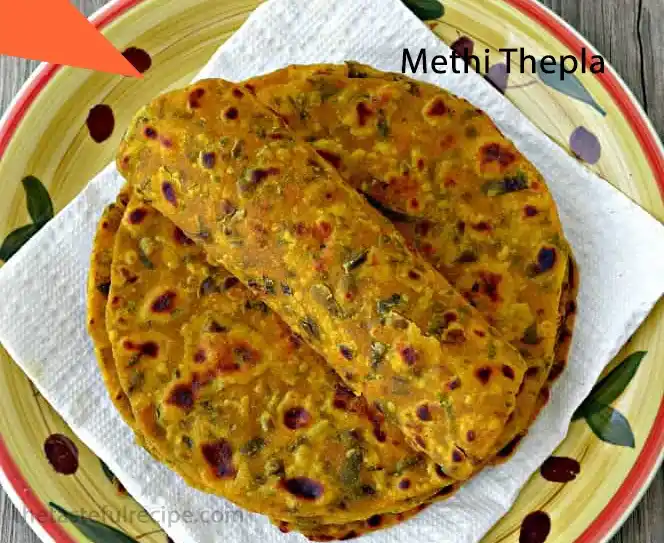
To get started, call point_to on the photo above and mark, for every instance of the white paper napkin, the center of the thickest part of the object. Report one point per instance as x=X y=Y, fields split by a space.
x=618 y=247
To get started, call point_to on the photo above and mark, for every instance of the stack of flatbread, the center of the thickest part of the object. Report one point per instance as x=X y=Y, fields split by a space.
x=330 y=295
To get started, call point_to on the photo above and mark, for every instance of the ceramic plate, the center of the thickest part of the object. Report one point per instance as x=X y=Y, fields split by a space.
x=595 y=117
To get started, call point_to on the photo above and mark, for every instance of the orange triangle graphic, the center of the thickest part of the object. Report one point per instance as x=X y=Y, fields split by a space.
x=54 y=31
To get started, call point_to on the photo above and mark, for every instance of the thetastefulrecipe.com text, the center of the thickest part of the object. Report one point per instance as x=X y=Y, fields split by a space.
x=420 y=62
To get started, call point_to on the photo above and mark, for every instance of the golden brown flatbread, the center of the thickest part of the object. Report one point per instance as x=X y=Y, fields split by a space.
x=314 y=529
x=234 y=401
x=99 y=286
x=382 y=133
x=98 y=289
x=460 y=193
x=229 y=173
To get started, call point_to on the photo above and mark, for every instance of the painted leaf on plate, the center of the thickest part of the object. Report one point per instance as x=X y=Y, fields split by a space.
x=95 y=531
x=16 y=239
x=40 y=209
x=107 y=471
x=610 y=425
x=425 y=10
x=39 y=201
x=113 y=479
x=566 y=83
x=608 y=389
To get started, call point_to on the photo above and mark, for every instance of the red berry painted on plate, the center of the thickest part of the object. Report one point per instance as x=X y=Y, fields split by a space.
x=560 y=469
x=61 y=453
x=100 y=122
x=535 y=528
x=139 y=58
x=463 y=46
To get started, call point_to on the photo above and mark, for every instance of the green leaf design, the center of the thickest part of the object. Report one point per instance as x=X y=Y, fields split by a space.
x=569 y=84
x=425 y=10
x=16 y=239
x=40 y=208
x=93 y=530
x=578 y=414
x=609 y=388
x=40 y=205
x=610 y=425
x=107 y=471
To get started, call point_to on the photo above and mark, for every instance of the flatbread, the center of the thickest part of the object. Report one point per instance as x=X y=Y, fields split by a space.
x=317 y=103
x=99 y=286
x=98 y=295
x=282 y=220
x=352 y=530
x=312 y=529
x=234 y=401
x=98 y=289
x=460 y=193
x=316 y=531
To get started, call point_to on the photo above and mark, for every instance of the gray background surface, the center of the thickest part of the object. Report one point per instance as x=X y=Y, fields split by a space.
x=630 y=34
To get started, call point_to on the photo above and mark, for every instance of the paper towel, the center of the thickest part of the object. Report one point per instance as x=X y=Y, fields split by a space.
x=42 y=317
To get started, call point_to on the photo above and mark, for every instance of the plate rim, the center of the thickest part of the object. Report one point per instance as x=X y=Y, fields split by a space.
x=24 y=505
x=622 y=503
x=615 y=86
x=611 y=518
